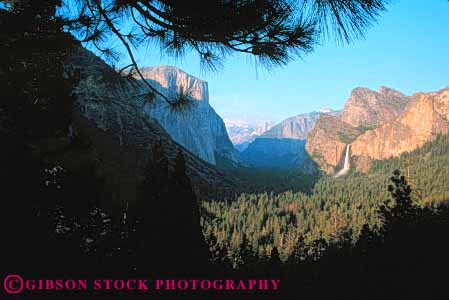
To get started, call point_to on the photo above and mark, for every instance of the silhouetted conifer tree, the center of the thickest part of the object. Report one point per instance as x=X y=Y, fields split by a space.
x=275 y=262
x=403 y=210
x=170 y=230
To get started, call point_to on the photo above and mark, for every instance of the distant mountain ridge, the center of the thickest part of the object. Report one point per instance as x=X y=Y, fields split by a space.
x=373 y=125
x=299 y=126
x=242 y=133
x=376 y=124
x=296 y=127
x=283 y=146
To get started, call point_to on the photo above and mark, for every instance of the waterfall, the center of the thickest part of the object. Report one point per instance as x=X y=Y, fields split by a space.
x=346 y=165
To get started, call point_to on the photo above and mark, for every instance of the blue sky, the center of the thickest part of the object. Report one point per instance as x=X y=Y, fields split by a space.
x=408 y=49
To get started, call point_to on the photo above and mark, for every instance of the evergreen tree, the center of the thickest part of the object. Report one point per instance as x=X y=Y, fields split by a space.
x=275 y=262
x=404 y=210
x=170 y=219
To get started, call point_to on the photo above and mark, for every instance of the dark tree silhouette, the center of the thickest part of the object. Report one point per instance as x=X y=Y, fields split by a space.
x=404 y=209
x=273 y=31
x=170 y=231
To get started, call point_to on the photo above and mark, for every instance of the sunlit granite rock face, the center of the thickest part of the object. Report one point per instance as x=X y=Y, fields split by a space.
x=378 y=125
x=425 y=116
x=370 y=108
x=327 y=142
x=197 y=126
x=112 y=109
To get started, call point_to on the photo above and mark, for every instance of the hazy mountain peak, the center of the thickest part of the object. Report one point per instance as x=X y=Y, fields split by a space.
x=296 y=127
x=326 y=110
x=242 y=132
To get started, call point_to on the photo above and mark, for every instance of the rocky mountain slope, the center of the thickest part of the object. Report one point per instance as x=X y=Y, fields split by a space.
x=426 y=116
x=378 y=125
x=327 y=141
x=197 y=127
x=109 y=111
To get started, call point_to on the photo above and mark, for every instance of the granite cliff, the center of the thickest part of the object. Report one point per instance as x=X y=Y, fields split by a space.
x=327 y=142
x=371 y=109
x=425 y=116
x=197 y=127
x=377 y=125
x=111 y=112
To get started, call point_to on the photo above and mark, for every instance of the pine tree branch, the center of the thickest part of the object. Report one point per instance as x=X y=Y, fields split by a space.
x=130 y=52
